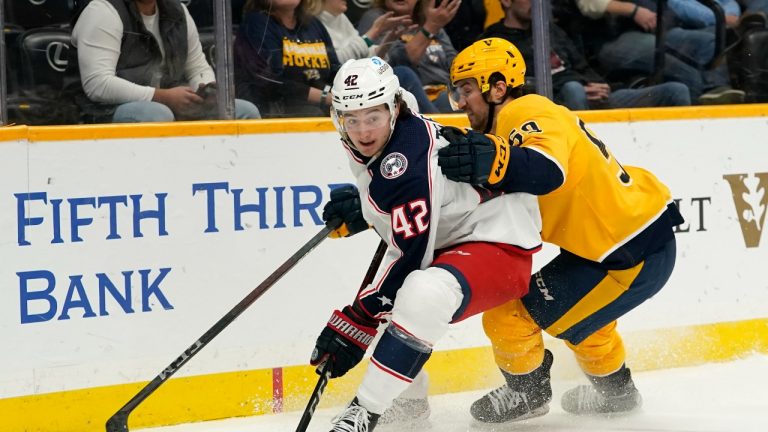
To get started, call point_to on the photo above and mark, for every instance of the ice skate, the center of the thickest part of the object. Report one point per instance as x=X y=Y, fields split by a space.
x=612 y=394
x=354 y=418
x=405 y=410
x=523 y=397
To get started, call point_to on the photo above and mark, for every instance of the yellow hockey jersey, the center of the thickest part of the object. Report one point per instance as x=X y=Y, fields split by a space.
x=601 y=204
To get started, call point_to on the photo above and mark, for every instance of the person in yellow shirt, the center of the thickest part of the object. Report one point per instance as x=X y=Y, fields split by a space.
x=613 y=223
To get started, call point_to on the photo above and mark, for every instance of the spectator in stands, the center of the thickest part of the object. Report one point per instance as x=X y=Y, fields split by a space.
x=468 y=23
x=350 y=45
x=427 y=49
x=347 y=42
x=692 y=14
x=575 y=84
x=631 y=47
x=284 y=59
x=141 y=61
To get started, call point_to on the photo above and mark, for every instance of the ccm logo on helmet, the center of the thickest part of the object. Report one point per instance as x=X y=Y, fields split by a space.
x=351 y=97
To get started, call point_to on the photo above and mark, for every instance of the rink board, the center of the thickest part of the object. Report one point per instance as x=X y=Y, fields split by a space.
x=120 y=245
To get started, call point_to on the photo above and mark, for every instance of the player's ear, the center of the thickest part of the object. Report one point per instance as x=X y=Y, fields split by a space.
x=498 y=91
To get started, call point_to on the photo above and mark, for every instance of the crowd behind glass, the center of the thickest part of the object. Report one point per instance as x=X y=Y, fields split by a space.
x=95 y=61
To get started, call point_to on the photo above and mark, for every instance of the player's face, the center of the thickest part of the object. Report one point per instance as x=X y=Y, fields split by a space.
x=468 y=98
x=368 y=129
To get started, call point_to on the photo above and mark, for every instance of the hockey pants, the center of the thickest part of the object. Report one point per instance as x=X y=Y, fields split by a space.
x=578 y=301
x=457 y=285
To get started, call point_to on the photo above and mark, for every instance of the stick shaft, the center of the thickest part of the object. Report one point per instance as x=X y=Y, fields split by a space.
x=119 y=421
x=325 y=375
x=375 y=263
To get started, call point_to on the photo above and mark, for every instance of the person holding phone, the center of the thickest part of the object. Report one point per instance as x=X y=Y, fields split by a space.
x=142 y=61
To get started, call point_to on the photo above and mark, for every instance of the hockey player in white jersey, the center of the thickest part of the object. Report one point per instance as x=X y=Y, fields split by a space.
x=453 y=250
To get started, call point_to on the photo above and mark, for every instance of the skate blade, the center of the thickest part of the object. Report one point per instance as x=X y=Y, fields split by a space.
x=405 y=425
x=538 y=412
x=608 y=414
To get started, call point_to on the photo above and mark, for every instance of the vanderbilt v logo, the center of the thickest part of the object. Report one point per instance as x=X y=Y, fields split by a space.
x=749 y=196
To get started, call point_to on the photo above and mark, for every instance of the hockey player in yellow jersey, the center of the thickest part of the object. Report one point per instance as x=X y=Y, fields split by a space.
x=613 y=223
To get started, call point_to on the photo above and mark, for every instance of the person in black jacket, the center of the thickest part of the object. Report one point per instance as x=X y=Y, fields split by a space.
x=575 y=84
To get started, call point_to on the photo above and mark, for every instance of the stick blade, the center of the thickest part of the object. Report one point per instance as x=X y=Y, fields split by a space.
x=118 y=422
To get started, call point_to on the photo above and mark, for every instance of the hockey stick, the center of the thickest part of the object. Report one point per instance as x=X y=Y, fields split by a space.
x=325 y=375
x=325 y=372
x=374 y=266
x=119 y=420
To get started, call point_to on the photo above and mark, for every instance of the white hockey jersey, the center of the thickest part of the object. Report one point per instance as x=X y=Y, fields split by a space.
x=418 y=211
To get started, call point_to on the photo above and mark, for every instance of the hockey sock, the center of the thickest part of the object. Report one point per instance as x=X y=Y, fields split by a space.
x=398 y=358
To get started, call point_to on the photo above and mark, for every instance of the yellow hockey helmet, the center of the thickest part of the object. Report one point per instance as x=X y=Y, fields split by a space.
x=486 y=56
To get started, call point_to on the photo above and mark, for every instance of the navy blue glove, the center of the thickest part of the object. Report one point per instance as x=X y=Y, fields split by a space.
x=472 y=157
x=344 y=340
x=345 y=206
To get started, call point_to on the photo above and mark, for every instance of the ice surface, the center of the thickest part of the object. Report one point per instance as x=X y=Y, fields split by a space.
x=724 y=397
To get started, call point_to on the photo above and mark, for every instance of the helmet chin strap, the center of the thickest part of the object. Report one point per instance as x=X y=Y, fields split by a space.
x=392 y=118
x=491 y=111
x=489 y=122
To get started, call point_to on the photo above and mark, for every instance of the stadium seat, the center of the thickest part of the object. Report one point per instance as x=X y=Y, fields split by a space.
x=356 y=9
x=208 y=41
x=48 y=72
x=753 y=66
x=12 y=60
x=30 y=14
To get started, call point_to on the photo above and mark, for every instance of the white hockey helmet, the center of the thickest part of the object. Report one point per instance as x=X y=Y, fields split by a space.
x=361 y=84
